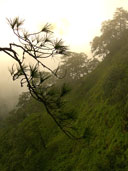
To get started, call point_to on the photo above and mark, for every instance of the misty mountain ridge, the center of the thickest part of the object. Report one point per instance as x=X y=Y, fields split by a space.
x=94 y=110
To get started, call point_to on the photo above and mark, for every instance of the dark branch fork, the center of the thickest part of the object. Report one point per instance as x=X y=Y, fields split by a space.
x=37 y=46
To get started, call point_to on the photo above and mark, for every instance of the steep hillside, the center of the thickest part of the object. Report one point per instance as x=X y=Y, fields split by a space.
x=102 y=106
x=30 y=141
x=103 y=114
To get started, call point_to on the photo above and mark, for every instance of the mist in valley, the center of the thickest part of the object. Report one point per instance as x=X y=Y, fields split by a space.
x=9 y=89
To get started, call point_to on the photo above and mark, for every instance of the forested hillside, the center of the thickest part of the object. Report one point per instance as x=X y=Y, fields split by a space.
x=93 y=108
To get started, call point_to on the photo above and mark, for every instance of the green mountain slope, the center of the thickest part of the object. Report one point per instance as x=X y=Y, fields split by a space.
x=100 y=102
x=104 y=115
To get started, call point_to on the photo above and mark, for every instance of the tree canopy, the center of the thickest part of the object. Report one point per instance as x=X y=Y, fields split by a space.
x=76 y=65
x=112 y=32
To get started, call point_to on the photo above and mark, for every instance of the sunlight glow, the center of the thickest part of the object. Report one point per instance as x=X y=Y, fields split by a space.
x=77 y=22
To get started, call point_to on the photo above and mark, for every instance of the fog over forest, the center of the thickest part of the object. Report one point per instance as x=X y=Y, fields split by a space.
x=9 y=89
x=70 y=26
x=64 y=102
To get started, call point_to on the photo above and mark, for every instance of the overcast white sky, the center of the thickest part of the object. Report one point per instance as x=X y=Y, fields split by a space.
x=75 y=21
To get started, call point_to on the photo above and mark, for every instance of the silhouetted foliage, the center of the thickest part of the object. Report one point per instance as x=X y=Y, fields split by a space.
x=76 y=65
x=37 y=46
x=112 y=32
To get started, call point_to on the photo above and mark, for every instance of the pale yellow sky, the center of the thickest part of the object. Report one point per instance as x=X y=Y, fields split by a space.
x=76 y=21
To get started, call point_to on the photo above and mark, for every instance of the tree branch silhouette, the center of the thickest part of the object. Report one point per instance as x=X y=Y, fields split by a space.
x=38 y=46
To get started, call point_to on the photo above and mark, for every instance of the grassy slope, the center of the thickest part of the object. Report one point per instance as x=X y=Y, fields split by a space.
x=102 y=104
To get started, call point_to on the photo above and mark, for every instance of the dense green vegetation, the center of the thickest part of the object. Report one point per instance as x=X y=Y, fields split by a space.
x=95 y=108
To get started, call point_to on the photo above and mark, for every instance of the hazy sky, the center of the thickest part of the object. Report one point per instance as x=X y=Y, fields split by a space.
x=75 y=21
